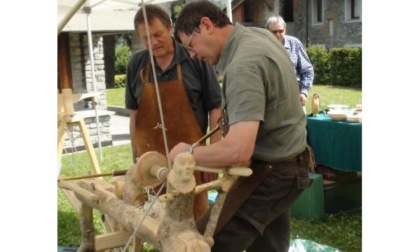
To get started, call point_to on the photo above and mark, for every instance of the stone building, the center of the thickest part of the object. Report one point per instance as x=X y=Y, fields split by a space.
x=326 y=23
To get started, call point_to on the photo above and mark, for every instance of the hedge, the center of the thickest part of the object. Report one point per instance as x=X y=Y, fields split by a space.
x=119 y=81
x=339 y=66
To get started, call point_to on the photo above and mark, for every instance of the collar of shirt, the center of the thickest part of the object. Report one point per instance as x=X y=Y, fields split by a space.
x=180 y=55
x=287 y=42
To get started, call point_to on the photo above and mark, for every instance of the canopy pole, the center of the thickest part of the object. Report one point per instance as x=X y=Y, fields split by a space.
x=228 y=4
x=92 y=66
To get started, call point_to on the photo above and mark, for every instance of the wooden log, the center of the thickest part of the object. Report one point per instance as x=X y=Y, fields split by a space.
x=119 y=183
x=133 y=192
x=138 y=244
x=87 y=228
x=175 y=230
x=129 y=217
x=85 y=195
x=116 y=186
x=179 y=220
x=216 y=210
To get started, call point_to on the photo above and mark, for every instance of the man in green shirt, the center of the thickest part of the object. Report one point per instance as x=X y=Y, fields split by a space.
x=267 y=127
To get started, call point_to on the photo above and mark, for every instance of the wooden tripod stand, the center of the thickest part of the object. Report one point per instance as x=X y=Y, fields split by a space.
x=66 y=116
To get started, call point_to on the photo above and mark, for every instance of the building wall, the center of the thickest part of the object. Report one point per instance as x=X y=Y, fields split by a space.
x=341 y=33
x=81 y=68
x=344 y=33
x=74 y=136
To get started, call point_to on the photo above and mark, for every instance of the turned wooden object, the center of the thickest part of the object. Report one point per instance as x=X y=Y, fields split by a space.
x=172 y=230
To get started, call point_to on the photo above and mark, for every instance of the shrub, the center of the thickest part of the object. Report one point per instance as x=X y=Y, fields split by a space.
x=120 y=81
x=338 y=67
x=346 y=67
x=122 y=55
x=320 y=60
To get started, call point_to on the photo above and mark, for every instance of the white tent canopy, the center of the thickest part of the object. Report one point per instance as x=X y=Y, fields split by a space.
x=107 y=15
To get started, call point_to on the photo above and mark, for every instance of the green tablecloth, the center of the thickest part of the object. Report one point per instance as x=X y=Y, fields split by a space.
x=336 y=144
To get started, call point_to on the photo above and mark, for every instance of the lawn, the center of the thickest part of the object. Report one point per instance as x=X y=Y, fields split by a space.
x=342 y=231
x=115 y=96
x=334 y=95
x=328 y=95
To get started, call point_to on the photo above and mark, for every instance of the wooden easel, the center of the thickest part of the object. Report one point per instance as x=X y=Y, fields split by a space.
x=66 y=116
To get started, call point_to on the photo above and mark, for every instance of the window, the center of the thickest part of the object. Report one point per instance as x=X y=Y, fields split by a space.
x=353 y=10
x=288 y=11
x=317 y=11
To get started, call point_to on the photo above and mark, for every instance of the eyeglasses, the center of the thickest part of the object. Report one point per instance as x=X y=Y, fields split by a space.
x=189 y=41
x=277 y=31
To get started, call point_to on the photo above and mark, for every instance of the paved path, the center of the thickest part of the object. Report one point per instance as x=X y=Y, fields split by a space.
x=120 y=129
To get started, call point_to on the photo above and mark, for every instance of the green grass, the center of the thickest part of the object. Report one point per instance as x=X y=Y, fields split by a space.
x=115 y=96
x=334 y=95
x=328 y=95
x=342 y=231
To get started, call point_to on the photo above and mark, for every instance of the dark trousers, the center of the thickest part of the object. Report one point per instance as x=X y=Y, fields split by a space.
x=263 y=221
x=239 y=235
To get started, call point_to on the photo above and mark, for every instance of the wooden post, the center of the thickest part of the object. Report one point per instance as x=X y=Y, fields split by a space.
x=87 y=228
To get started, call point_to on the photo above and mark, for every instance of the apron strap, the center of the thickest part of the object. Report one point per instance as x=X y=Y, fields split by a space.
x=144 y=74
x=179 y=72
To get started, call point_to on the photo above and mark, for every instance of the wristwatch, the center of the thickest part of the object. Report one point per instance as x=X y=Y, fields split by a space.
x=190 y=149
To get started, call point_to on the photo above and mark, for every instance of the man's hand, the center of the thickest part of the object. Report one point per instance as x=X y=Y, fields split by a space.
x=179 y=148
x=303 y=99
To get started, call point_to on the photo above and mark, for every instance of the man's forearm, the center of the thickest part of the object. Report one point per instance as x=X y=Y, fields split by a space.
x=306 y=79
x=214 y=117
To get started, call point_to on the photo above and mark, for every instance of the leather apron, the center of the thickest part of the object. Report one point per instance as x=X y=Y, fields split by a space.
x=180 y=122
